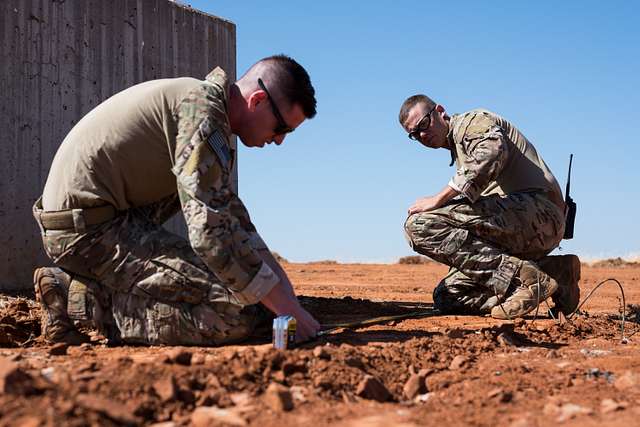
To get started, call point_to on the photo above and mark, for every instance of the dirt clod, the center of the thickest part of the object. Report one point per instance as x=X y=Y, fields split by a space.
x=610 y=405
x=278 y=398
x=321 y=353
x=458 y=362
x=166 y=388
x=181 y=356
x=628 y=380
x=14 y=380
x=110 y=408
x=206 y=416
x=59 y=349
x=414 y=386
x=371 y=388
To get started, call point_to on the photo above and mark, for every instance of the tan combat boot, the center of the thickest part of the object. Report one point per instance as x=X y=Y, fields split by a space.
x=51 y=287
x=565 y=269
x=532 y=287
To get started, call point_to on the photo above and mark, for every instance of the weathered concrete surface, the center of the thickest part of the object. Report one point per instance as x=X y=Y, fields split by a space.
x=60 y=58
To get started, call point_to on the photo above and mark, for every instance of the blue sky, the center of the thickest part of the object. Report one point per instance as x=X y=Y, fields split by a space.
x=565 y=73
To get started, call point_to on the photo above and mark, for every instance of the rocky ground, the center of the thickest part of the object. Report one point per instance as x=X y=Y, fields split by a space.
x=438 y=370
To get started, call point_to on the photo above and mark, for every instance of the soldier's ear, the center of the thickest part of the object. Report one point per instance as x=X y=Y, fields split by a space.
x=439 y=108
x=255 y=99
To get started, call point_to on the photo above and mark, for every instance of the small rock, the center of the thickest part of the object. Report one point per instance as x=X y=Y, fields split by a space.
x=570 y=410
x=181 y=356
x=348 y=397
x=205 y=416
x=321 y=353
x=112 y=409
x=213 y=381
x=14 y=380
x=627 y=381
x=166 y=388
x=506 y=340
x=240 y=399
x=458 y=362
x=500 y=395
x=49 y=373
x=552 y=354
x=354 y=362
x=519 y=322
x=322 y=381
x=59 y=349
x=610 y=405
x=299 y=393
x=422 y=398
x=494 y=392
x=371 y=388
x=414 y=386
x=594 y=352
x=278 y=398
x=595 y=373
x=198 y=359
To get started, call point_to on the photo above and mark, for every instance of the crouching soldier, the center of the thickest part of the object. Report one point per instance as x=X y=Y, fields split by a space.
x=495 y=221
x=146 y=153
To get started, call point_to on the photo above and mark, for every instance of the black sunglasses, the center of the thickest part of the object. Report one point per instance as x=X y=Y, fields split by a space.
x=415 y=133
x=282 y=126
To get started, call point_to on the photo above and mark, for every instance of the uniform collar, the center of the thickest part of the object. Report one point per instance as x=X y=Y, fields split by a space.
x=218 y=78
x=452 y=146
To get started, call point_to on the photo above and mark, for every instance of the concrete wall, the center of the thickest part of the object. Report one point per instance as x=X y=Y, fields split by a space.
x=60 y=58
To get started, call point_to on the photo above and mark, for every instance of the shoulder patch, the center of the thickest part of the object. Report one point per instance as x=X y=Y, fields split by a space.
x=219 y=146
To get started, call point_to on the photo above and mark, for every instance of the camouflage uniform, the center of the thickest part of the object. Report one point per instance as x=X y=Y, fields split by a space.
x=498 y=222
x=146 y=285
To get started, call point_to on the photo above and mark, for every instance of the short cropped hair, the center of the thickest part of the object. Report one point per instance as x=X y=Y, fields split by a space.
x=410 y=102
x=286 y=79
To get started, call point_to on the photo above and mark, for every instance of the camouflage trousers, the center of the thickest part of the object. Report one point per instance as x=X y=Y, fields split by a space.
x=484 y=243
x=145 y=285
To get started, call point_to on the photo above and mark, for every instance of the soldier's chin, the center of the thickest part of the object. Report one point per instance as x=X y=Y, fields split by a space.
x=249 y=143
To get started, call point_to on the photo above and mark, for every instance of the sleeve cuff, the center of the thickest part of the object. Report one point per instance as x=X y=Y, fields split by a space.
x=256 y=241
x=261 y=284
x=466 y=188
x=455 y=186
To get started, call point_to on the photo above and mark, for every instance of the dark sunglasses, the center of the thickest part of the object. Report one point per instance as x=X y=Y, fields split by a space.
x=282 y=126
x=415 y=133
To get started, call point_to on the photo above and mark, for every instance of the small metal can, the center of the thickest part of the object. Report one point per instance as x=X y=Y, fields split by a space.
x=284 y=332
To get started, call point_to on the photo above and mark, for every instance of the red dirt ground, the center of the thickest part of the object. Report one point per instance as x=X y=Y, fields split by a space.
x=465 y=370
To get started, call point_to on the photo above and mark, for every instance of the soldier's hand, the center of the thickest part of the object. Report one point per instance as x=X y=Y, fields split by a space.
x=307 y=326
x=425 y=204
x=281 y=301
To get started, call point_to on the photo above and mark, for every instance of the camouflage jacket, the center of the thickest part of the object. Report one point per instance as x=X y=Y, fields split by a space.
x=220 y=229
x=493 y=157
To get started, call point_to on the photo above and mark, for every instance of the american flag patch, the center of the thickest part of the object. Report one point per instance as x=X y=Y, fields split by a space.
x=219 y=146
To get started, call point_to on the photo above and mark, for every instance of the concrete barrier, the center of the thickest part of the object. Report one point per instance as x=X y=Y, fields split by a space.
x=60 y=58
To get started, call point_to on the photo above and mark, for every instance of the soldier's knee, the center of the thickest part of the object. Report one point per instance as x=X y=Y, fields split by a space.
x=419 y=230
x=444 y=300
